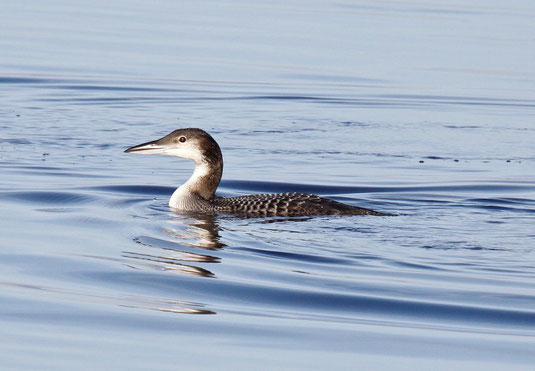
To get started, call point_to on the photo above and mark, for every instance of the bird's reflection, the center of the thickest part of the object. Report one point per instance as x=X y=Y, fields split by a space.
x=171 y=306
x=168 y=263
x=202 y=230
x=189 y=233
x=187 y=246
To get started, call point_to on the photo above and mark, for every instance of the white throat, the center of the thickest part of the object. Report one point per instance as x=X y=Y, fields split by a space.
x=186 y=197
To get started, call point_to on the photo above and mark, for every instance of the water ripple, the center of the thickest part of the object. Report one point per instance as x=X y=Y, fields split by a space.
x=49 y=197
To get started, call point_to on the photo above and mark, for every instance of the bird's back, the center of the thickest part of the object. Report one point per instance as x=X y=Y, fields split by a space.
x=286 y=204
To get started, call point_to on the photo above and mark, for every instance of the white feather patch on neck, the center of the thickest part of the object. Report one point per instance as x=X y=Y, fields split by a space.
x=184 y=195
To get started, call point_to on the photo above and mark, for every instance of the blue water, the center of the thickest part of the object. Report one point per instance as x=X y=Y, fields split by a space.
x=420 y=109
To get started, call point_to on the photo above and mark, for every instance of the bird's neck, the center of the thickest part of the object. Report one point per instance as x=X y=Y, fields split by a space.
x=202 y=183
x=200 y=188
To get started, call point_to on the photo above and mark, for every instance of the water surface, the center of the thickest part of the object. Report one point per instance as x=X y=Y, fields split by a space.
x=421 y=109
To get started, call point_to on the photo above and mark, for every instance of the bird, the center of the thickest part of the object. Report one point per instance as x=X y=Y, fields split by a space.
x=198 y=193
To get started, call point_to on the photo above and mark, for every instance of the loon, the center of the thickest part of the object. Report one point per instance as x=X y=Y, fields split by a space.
x=198 y=193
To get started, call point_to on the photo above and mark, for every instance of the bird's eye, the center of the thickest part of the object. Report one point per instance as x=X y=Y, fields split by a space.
x=182 y=139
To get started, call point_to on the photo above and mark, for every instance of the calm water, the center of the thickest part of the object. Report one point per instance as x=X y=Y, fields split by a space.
x=421 y=109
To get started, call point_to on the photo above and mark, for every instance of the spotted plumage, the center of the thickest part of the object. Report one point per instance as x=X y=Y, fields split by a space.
x=286 y=204
x=198 y=193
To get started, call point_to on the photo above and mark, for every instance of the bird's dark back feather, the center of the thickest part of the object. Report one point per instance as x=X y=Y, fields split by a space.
x=286 y=204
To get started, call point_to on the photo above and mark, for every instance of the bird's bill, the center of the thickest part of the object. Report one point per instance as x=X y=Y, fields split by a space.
x=148 y=148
